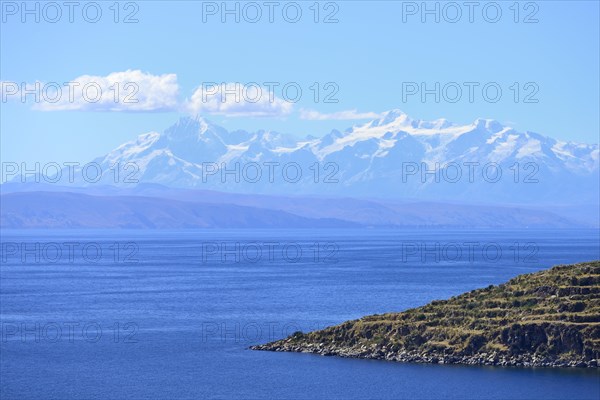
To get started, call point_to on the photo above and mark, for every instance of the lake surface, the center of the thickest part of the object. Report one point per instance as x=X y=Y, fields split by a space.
x=170 y=314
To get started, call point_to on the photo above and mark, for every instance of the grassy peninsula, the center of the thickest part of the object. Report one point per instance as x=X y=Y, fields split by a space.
x=548 y=318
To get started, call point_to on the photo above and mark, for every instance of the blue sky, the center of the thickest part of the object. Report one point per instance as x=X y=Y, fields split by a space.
x=370 y=55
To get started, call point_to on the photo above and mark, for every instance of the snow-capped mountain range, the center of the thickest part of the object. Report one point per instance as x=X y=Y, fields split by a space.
x=393 y=156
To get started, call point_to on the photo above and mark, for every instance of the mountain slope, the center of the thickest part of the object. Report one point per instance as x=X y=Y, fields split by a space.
x=155 y=206
x=75 y=210
x=548 y=318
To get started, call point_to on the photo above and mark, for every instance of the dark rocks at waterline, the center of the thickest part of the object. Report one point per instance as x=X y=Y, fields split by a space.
x=492 y=359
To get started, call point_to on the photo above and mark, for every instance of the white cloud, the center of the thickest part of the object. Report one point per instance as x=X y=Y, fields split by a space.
x=131 y=90
x=237 y=100
x=340 y=115
x=138 y=91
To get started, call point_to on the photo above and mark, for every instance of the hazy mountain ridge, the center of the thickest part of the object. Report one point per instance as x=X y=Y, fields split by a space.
x=367 y=159
x=75 y=210
x=157 y=207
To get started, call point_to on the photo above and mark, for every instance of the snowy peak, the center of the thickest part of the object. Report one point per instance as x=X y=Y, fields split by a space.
x=192 y=128
x=489 y=125
x=395 y=117
x=398 y=118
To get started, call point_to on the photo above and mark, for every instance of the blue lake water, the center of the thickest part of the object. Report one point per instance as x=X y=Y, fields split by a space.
x=170 y=314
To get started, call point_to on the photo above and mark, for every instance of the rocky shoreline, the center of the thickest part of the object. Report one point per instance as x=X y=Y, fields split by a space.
x=492 y=359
